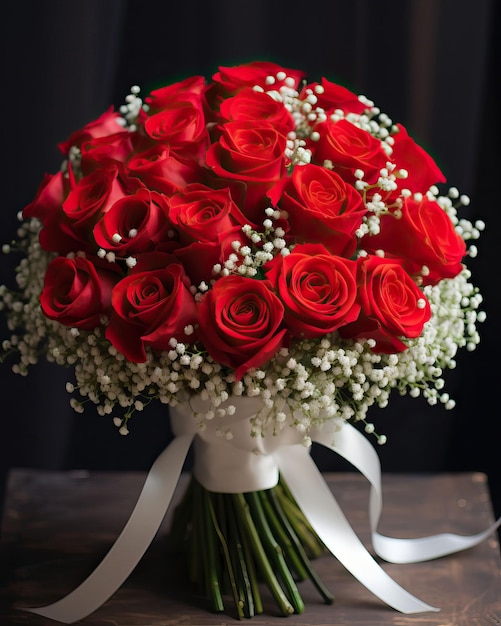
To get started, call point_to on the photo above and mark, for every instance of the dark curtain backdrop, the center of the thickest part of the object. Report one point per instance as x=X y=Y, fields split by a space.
x=432 y=65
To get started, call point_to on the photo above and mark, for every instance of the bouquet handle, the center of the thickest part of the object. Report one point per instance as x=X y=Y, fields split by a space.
x=312 y=495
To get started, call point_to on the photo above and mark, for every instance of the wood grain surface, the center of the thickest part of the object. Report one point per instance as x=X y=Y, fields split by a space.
x=57 y=527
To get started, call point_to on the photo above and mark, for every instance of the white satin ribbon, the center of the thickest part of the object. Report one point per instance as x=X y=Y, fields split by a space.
x=132 y=542
x=254 y=462
x=329 y=522
x=355 y=448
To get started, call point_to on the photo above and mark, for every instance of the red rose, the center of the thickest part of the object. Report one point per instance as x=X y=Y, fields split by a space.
x=57 y=233
x=105 y=151
x=333 y=96
x=422 y=169
x=49 y=197
x=250 y=105
x=318 y=290
x=423 y=236
x=228 y=81
x=322 y=208
x=150 y=306
x=240 y=322
x=349 y=147
x=162 y=171
x=76 y=292
x=232 y=79
x=163 y=97
x=105 y=125
x=134 y=224
x=249 y=158
x=393 y=306
x=199 y=257
x=91 y=197
x=181 y=125
x=207 y=222
x=200 y=213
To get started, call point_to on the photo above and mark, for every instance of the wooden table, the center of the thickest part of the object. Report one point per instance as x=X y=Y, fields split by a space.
x=57 y=527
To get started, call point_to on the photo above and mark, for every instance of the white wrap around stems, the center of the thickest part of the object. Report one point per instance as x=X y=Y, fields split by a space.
x=241 y=463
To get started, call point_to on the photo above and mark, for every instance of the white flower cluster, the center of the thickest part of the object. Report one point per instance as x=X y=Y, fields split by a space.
x=318 y=378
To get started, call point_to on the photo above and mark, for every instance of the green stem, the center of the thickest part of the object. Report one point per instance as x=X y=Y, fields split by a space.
x=277 y=521
x=231 y=538
x=216 y=518
x=312 y=544
x=244 y=599
x=299 y=550
x=249 y=559
x=274 y=550
x=211 y=574
x=243 y=512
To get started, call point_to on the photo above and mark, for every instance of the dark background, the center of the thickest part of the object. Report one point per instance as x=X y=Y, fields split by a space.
x=431 y=65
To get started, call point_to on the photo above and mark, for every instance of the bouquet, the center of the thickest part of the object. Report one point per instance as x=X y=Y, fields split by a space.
x=268 y=257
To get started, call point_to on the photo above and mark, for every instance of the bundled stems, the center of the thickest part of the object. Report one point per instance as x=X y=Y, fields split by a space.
x=239 y=542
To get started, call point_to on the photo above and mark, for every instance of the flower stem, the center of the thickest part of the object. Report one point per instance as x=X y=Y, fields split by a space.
x=211 y=568
x=243 y=512
x=298 y=549
x=274 y=550
x=224 y=549
x=237 y=541
x=277 y=523
x=249 y=559
x=309 y=539
x=244 y=567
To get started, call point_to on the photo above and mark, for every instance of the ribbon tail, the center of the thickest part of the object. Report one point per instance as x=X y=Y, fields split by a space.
x=353 y=446
x=132 y=542
x=396 y=550
x=323 y=512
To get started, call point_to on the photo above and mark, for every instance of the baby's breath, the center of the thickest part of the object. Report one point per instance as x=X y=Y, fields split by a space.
x=313 y=380
x=318 y=378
